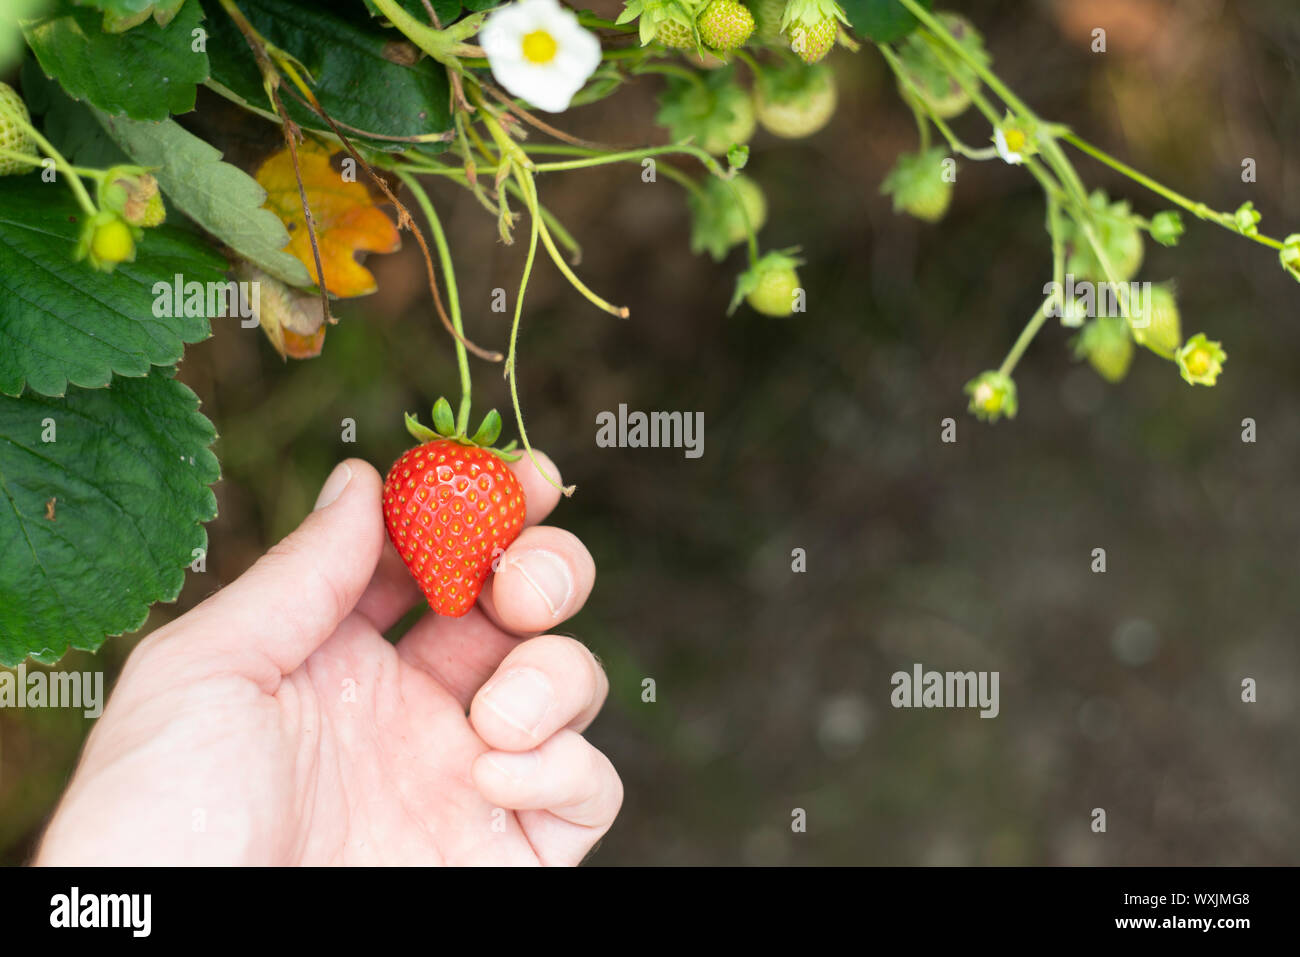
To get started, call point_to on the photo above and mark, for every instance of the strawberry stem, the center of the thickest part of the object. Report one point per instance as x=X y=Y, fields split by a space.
x=61 y=164
x=526 y=184
x=1199 y=210
x=453 y=296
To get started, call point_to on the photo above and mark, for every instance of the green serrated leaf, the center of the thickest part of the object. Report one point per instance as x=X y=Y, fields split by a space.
x=145 y=74
x=489 y=431
x=126 y=483
x=221 y=198
x=62 y=322
x=443 y=420
x=369 y=79
x=67 y=123
x=883 y=21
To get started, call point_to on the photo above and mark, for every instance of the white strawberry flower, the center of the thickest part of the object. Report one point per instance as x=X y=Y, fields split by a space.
x=1014 y=157
x=539 y=53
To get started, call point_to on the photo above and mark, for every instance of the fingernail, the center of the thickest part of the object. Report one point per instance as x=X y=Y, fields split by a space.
x=549 y=575
x=522 y=698
x=518 y=766
x=334 y=485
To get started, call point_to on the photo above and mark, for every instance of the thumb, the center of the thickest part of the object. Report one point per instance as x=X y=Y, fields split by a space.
x=285 y=606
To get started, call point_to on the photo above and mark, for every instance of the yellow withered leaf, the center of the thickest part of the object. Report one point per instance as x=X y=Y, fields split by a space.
x=346 y=218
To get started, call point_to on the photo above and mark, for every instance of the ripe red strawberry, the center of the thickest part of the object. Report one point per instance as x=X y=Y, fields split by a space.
x=451 y=509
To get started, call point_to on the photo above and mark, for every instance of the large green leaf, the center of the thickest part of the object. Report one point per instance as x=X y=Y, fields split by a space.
x=67 y=123
x=221 y=198
x=882 y=20
x=62 y=322
x=145 y=74
x=354 y=61
x=126 y=481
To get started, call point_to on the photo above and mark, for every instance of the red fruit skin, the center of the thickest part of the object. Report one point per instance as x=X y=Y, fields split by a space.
x=450 y=510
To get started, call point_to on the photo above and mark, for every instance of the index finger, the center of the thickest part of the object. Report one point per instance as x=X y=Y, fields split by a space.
x=540 y=496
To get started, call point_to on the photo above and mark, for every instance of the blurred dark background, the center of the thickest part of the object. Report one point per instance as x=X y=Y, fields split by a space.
x=1118 y=690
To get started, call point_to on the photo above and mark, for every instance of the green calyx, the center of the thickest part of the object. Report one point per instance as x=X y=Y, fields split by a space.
x=716 y=113
x=671 y=22
x=992 y=396
x=770 y=284
x=810 y=12
x=445 y=427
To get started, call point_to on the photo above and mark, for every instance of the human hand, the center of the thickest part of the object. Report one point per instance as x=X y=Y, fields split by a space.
x=274 y=724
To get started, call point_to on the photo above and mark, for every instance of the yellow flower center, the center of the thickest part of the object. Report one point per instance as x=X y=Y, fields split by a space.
x=1015 y=140
x=1198 y=363
x=986 y=398
x=539 y=47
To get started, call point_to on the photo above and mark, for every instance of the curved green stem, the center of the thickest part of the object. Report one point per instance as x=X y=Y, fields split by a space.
x=991 y=79
x=625 y=156
x=670 y=69
x=526 y=184
x=750 y=62
x=921 y=110
x=1199 y=210
x=1026 y=337
x=453 y=296
x=680 y=178
x=61 y=164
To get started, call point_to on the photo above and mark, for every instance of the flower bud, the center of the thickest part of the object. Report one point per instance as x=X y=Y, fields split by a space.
x=1201 y=360
x=1246 y=219
x=992 y=395
x=1290 y=255
x=130 y=191
x=106 y=240
x=1167 y=227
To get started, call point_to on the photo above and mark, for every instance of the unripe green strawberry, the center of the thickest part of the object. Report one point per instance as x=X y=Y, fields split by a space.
x=920 y=184
x=795 y=101
x=1118 y=234
x=451 y=509
x=112 y=242
x=716 y=113
x=813 y=42
x=719 y=220
x=13 y=135
x=1158 y=326
x=676 y=35
x=937 y=89
x=767 y=19
x=770 y=285
x=812 y=26
x=725 y=25
x=1108 y=347
x=992 y=396
x=107 y=240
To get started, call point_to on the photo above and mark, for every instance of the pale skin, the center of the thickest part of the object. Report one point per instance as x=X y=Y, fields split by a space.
x=274 y=725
